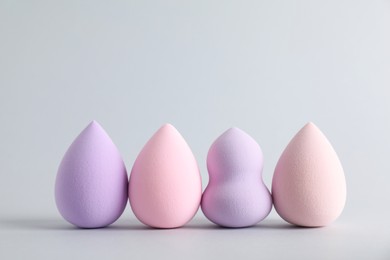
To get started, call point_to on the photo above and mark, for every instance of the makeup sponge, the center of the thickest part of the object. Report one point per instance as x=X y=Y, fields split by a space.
x=308 y=185
x=91 y=184
x=236 y=195
x=165 y=185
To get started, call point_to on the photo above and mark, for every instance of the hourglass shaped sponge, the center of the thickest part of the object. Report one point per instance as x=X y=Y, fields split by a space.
x=236 y=195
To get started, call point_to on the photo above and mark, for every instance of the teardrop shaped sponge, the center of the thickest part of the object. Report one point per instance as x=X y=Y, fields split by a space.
x=91 y=183
x=308 y=185
x=165 y=185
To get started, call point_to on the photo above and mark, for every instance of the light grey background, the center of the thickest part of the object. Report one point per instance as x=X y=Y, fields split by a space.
x=267 y=67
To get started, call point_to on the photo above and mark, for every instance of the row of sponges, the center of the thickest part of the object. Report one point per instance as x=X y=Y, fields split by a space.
x=165 y=188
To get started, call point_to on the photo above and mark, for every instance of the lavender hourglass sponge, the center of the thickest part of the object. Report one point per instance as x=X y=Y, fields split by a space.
x=91 y=184
x=236 y=195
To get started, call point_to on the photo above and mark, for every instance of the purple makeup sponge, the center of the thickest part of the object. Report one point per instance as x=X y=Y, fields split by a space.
x=91 y=184
x=236 y=195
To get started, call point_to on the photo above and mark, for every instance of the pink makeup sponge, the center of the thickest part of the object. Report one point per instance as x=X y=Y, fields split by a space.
x=91 y=184
x=236 y=195
x=308 y=185
x=165 y=185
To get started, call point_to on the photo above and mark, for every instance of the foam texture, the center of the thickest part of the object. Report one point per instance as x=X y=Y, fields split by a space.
x=308 y=185
x=236 y=195
x=91 y=184
x=165 y=185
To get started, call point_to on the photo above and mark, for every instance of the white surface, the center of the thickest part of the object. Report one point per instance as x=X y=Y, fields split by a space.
x=267 y=67
x=49 y=238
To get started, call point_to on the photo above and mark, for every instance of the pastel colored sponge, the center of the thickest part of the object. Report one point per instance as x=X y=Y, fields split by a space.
x=165 y=185
x=236 y=195
x=91 y=184
x=308 y=185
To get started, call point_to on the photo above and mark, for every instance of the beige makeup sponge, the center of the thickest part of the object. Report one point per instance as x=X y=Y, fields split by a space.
x=308 y=186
